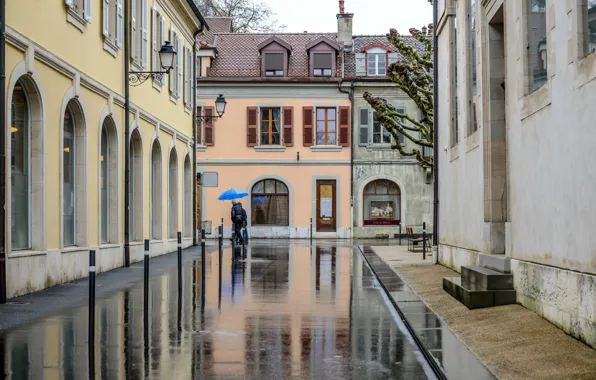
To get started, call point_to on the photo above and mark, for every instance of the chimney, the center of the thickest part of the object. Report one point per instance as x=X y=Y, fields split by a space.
x=344 y=27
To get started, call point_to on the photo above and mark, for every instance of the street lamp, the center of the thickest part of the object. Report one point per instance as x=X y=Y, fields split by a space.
x=167 y=57
x=220 y=109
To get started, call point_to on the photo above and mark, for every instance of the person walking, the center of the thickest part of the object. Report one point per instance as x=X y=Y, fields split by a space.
x=237 y=216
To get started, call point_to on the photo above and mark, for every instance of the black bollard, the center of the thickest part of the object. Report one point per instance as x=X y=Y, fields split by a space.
x=423 y=240
x=220 y=276
x=179 y=262
x=400 y=234
x=220 y=234
x=146 y=287
x=203 y=264
x=310 y=231
x=91 y=314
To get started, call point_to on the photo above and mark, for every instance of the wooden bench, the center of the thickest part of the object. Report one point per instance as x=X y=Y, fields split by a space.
x=414 y=241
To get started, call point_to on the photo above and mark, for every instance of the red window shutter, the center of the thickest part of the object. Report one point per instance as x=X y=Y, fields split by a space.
x=344 y=126
x=288 y=114
x=209 y=130
x=200 y=123
x=307 y=129
x=251 y=126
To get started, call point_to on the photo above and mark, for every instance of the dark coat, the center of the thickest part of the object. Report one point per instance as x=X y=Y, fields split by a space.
x=238 y=214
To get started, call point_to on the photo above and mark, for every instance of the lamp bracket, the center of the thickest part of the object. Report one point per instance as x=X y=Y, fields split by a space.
x=137 y=78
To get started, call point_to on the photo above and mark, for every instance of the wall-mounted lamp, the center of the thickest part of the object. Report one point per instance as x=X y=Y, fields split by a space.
x=167 y=57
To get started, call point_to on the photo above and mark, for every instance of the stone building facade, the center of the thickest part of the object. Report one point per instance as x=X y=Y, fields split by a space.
x=516 y=123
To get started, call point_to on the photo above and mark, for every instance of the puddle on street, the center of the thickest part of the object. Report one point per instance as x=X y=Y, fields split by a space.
x=288 y=310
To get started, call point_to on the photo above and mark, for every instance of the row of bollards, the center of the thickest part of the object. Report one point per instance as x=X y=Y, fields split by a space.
x=92 y=273
x=423 y=240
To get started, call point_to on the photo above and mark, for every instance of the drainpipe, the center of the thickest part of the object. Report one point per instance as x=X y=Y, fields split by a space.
x=2 y=151
x=194 y=133
x=126 y=138
x=351 y=97
x=436 y=132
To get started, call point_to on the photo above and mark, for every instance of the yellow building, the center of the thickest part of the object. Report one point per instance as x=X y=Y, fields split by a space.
x=65 y=135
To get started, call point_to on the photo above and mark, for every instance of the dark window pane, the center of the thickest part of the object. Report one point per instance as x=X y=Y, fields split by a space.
x=265 y=139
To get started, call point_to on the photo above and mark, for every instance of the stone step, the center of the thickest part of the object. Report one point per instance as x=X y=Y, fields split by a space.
x=484 y=278
x=475 y=298
x=500 y=263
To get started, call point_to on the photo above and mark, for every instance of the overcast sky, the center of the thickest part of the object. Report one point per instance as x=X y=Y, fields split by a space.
x=370 y=16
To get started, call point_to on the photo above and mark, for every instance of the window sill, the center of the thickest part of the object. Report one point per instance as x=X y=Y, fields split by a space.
x=110 y=47
x=537 y=100
x=157 y=85
x=135 y=65
x=473 y=140
x=156 y=242
x=270 y=148
x=174 y=98
x=109 y=246
x=454 y=153
x=73 y=249
x=326 y=148
x=135 y=243
x=187 y=109
x=75 y=19
x=381 y=147
x=586 y=70
x=201 y=148
x=25 y=253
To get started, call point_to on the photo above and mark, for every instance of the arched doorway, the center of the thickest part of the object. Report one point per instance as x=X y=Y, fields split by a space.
x=156 y=201
x=381 y=203
x=136 y=187
x=187 y=204
x=109 y=182
x=270 y=203
x=173 y=194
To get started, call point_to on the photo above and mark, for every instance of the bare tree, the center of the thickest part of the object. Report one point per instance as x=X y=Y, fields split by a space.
x=247 y=15
x=414 y=76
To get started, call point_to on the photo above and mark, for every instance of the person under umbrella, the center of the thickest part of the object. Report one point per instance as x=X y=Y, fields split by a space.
x=238 y=216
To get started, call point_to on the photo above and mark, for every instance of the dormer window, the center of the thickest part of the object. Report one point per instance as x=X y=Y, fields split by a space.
x=274 y=64
x=377 y=61
x=275 y=54
x=322 y=57
x=322 y=64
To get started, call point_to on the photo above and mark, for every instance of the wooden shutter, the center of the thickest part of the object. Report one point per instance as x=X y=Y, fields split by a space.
x=87 y=10
x=106 y=18
x=186 y=76
x=360 y=64
x=119 y=25
x=391 y=58
x=251 y=126
x=288 y=115
x=144 y=34
x=179 y=68
x=133 y=30
x=209 y=130
x=364 y=126
x=154 y=30
x=200 y=123
x=173 y=71
x=163 y=41
x=344 y=126
x=307 y=126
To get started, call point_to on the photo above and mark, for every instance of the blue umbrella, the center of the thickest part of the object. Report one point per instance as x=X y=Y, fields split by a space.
x=232 y=194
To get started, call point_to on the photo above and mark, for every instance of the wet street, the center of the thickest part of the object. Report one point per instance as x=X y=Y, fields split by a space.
x=288 y=311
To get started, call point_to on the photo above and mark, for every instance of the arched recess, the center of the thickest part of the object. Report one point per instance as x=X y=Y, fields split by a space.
x=25 y=163
x=173 y=193
x=359 y=214
x=73 y=173
x=187 y=204
x=136 y=186
x=155 y=165
x=270 y=202
x=109 y=187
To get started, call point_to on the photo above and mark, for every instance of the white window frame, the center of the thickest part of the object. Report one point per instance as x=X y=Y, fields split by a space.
x=375 y=52
x=144 y=34
x=119 y=23
x=179 y=68
x=383 y=132
x=315 y=133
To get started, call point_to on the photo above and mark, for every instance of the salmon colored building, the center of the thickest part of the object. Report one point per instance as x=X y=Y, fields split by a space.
x=285 y=135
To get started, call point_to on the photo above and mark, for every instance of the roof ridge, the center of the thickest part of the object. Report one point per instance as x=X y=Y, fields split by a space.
x=274 y=34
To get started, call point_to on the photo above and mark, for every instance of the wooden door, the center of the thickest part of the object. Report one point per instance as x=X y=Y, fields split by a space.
x=326 y=206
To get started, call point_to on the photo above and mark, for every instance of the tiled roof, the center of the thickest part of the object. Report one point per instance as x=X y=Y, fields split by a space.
x=216 y=25
x=362 y=41
x=239 y=53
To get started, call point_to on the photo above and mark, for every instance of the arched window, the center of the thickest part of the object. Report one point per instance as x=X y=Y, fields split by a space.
x=156 y=205
x=270 y=203
x=74 y=215
x=20 y=139
x=382 y=205
x=187 y=207
x=109 y=182
x=173 y=194
x=135 y=187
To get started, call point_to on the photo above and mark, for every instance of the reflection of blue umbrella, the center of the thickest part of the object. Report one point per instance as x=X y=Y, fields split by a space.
x=232 y=194
x=258 y=200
